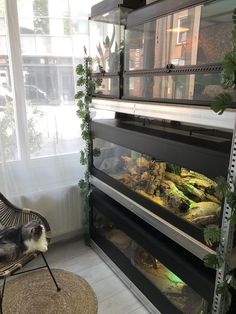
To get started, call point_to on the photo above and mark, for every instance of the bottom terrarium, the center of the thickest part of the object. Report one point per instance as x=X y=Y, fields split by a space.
x=178 y=293
x=183 y=298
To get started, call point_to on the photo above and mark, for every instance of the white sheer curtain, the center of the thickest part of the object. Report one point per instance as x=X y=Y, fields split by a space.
x=41 y=41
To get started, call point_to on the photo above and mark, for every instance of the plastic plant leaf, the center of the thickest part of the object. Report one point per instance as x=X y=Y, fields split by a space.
x=82 y=184
x=222 y=187
x=213 y=260
x=80 y=69
x=229 y=63
x=79 y=94
x=81 y=81
x=212 y=234
x=81 y=104
x=85 y=135
x=83 y=159
x=221 y=102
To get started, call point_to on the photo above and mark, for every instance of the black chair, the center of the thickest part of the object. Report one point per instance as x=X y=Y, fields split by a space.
x=10 y=215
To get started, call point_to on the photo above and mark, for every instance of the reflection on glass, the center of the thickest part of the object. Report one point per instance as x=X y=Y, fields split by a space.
x=107 y=86
x=186 y=193
x=105 y=41
x=176 y=290
x=199 y=87
x=8 y=138
x=197 y=35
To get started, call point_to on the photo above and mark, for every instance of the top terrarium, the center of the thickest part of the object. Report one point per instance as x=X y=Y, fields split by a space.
x=106 y=44
x=177 y=55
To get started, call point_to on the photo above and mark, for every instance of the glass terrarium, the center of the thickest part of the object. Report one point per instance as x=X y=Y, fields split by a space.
x=172 y=288
x=196 y=87
x=107 y=43
x=186 y=193
x=181 y=49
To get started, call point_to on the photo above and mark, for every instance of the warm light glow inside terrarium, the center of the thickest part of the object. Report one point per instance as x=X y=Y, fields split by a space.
x=178 y=292
x=186 y=193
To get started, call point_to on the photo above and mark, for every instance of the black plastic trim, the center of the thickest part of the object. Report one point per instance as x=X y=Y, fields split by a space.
x=174 y=148
x=109 y=5
x=158 y=9
x=190 y=69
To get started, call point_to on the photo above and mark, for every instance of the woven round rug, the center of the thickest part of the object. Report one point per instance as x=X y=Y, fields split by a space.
x=35 y=293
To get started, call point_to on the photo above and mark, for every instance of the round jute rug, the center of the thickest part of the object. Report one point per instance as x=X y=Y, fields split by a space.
x=35 y=293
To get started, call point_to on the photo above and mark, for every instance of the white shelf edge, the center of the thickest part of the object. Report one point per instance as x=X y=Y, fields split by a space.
x=184 y=113
x=183 y=239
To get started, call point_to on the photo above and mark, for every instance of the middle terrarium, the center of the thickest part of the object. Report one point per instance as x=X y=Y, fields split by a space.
x=171 y=171
x=186 y=193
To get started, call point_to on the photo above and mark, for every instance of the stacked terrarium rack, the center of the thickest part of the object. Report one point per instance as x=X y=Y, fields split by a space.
x=157 y=118
x=197 y=248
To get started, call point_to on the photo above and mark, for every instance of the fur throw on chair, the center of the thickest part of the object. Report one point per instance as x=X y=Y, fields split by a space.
x=19 y=240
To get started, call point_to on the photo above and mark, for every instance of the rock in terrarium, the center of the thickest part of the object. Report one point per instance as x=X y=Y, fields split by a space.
x=186 y=193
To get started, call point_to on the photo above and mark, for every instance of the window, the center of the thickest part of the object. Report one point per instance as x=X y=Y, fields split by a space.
x=8 y=138
x=49 y=35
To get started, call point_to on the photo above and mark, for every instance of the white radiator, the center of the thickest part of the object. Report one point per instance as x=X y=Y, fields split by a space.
x=61 y=206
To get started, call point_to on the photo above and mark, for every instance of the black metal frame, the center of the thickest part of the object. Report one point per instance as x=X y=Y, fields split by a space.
x=177 y=259
x=26 y=271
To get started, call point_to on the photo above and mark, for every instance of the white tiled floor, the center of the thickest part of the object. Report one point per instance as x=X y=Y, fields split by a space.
x=113 y=296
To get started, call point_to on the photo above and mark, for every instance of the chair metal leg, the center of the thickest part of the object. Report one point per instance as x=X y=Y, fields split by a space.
x=58 y=288
x=1 y=295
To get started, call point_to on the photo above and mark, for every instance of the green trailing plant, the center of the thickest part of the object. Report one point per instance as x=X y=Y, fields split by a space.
x=224 y=290
x=84 y=98
x=224 y=100
x=212 y=235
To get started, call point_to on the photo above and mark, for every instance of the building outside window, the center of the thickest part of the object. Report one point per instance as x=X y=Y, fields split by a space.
x=52 y=35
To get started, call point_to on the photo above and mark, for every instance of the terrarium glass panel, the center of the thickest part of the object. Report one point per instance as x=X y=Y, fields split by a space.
x=105 y=46
x=194 y=36
x=194 y=87
x=107 y=86
x=186 y=193
x=173 y=288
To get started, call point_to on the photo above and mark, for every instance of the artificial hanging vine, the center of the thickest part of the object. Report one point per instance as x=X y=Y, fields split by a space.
x=84 y=97
x=212 y=235
x=228 y=75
